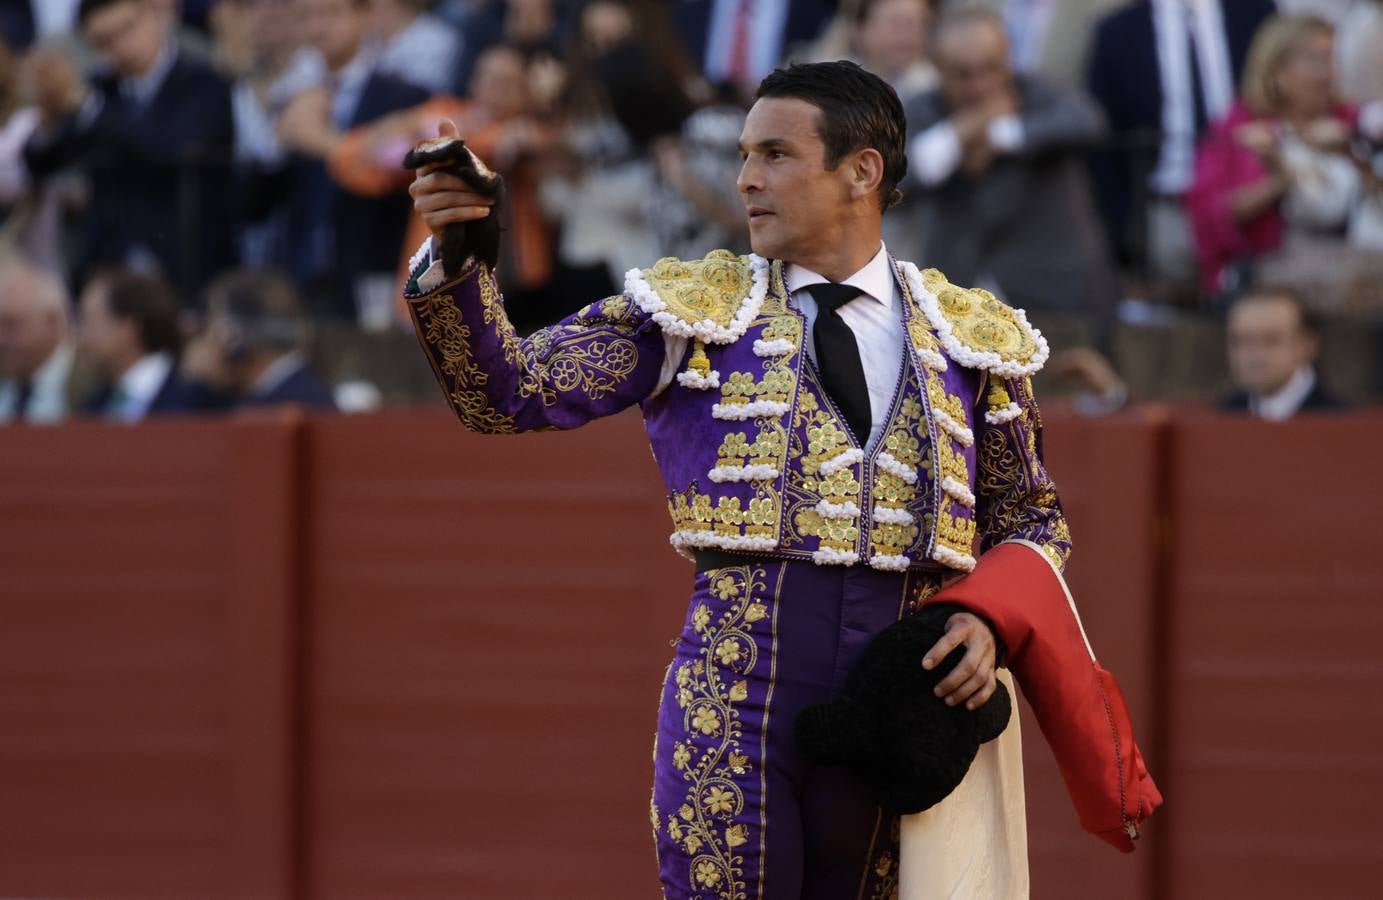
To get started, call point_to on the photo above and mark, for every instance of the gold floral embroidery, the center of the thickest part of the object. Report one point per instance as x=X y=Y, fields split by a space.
x=695 y=290
x=590 y=354
x=904 y=442
x=448 y=342
x=740 y=387
x=945 y=401
x=1017 y=497
x=981 y=321
x=955 y=525
x=825 y=439
x=767 y=448
x=708 y=690
x=886 y=869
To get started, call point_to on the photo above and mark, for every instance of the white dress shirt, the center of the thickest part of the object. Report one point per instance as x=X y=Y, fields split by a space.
x=764 y=36
x=876 y=318
x=1284 y=403
x=935 y=154
x=54 y=18
x=48 y=396
x=139 y=385
x=1174 y=23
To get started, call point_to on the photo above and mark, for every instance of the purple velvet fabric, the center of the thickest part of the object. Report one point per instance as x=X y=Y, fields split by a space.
x=736 y=811
x=757 y=482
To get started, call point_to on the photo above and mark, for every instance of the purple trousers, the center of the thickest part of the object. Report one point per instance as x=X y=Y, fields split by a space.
x=737 y=813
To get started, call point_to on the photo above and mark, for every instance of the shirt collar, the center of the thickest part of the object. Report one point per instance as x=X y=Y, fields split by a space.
x=1284 y=403
x=278 y=371
x=874 y=280
x=142 y=88
x=143 y=380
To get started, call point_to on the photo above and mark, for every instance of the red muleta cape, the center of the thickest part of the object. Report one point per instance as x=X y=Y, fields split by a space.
x=1078 y=704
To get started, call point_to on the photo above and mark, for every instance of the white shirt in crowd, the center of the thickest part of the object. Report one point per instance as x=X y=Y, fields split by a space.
x=53 y=18
x=1284 y=403
x=764 y=28
x=1176 y=23
x=139 y=385
x=48 y=391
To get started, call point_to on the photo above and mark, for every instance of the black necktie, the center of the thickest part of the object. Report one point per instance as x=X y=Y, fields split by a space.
x=24 y=390
x=838 y=357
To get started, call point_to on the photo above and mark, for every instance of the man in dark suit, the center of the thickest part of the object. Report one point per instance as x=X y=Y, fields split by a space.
x=1273 y=346
x=740 y=41
x=253 y=351
x=344 y=249
x=999 y=160
x=1162 y=70
x=128 y=330
x=155 y=134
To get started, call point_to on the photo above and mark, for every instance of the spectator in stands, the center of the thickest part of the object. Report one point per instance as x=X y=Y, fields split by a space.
x=127 y=327
x=625 y=93
x=253 y=350
x=418 y=47
x=497 y=124
x=342 y=248
x=1273 y=346
x=891 y=41
x=1163 y=70
x=737 y=43
x=1275 y=174
x=1051 y=38
x=540 y=29
x=35 y=350
x=27 y=22
x=153 y=133
x=694 y=206
x=889 y=38
x=30 y=213
x=1359 y=46
x=1000 y=160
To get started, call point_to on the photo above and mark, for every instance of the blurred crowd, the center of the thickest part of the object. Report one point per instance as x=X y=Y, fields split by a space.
x=190 y=190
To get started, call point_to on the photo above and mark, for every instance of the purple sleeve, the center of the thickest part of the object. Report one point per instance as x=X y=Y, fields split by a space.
x=1015 y=497
x=604 y=358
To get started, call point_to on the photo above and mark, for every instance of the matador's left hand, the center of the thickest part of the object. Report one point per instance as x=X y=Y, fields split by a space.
x=972 y=680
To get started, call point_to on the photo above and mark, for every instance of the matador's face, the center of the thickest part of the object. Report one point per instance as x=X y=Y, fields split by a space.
x=796 y=206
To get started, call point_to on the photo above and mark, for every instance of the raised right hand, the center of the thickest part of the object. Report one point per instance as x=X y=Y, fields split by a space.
x=443 y=199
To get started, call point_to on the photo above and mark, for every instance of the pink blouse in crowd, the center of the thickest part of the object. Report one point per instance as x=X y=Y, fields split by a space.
x=1223 y=166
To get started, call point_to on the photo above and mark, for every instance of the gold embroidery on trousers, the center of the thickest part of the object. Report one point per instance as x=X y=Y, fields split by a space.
x=708 y=691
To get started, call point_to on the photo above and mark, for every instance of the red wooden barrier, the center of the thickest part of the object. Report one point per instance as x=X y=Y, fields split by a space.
x=490 y=620
x=382 y=657
x=1274 y=721
x=1107 y=473
x=145 y=621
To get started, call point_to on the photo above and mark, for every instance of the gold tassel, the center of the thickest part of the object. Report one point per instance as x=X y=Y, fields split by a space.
x=699 y=362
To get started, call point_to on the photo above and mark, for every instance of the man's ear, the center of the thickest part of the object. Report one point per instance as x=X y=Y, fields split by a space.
x=866 y=172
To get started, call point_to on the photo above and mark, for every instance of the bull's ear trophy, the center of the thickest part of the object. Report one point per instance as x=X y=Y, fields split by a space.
x=478 y=238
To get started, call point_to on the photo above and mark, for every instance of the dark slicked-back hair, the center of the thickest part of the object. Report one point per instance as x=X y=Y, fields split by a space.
x=148 y=301
x=86 y=8
x=1310 y=321
x=858 y=110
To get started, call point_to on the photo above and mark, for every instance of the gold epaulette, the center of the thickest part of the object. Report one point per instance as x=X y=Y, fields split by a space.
x=978 y=330
x=712 y=299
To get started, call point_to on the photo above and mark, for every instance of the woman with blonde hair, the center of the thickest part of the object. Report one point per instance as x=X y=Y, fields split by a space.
x=1275 y=173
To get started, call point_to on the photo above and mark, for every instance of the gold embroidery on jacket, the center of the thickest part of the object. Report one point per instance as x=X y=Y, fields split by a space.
x=1018 y=497
x=902 y=442
x=448 y=343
